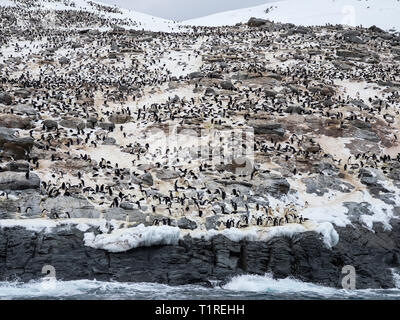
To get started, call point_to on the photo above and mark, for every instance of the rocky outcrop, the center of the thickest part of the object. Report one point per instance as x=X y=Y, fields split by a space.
x=23 y=254
x=256 y=22
x=11 y=146
x=119 y=118
x=13 y=121
x=273 y=185
x=323 y=184
x=5 y=98
x=50 y=124
x=18 y=181
x=72 y=123
x=268 y=128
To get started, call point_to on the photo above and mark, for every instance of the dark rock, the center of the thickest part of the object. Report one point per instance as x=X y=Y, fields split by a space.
x=320 y=185
x=50 y=124
x=294 y=109
x=5 y=98
x=73 y=123
x=210 y=92
x=195 y=75
x=64 y=60
x=106 y=126
x=273 y=185
x=16 y=166
x=166 y=174
x=374 y=28
x=119 y=118
x=227 y=85
x=187 y=224
x=268 y=128
x=147 y=178
x=22 y=93
x=18 y=181
x=14 y=121
x=371 y=178
x=303 y=256
x=109 y=141
x=18 y=148
x=350 y=54
x=91 y=123
x=25 y=110
x=255 y=22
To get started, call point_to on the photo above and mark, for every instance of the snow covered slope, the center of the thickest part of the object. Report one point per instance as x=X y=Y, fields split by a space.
x=116 y=16
x=383 y=13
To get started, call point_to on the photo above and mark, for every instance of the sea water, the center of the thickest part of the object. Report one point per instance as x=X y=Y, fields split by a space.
x=246 y=287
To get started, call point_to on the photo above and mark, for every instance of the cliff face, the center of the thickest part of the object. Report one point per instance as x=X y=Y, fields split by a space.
x=23 y=254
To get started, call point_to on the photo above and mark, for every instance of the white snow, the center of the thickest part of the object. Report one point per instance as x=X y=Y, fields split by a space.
x=36 y=225
x=7 y=3
x=122 y=240
x=331 y=237
x=333 y=214
x=47 y=226
x=232 y=234
x=383 y=13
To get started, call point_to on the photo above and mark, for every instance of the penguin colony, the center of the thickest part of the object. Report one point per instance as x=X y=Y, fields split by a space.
x=94 y=103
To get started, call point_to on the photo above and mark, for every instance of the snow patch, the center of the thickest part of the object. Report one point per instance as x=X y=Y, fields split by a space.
x=122 y=240
x=331 y=237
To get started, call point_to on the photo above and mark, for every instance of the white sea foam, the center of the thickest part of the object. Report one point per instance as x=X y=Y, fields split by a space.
x=266 y=283
x=297 y=289
x=255 y=287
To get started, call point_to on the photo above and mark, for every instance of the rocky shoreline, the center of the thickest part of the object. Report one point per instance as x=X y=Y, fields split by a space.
x=303 y=256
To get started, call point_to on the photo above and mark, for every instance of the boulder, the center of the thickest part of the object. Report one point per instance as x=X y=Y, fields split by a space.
x=91 y=123
x=63 y=61
x=5 y=98
x=22 y=93
x=294 y=109
x=18 y=148
x=167 y=174
x=50 y=124
x=375 y=29
x=227 y=85
x=350 y=54
x=73 y=123
x=119 y=118
x=273 y=185
x=147 y=179
x=14 y=121
x=196 y=75
x=256 y=22
x=18 y=181
x=16 y=166
x=268 y=128
x=107 y=126
x=187 y=224
x=209 y=92
x=322 y=184
x=27 y=110
x=109 y=141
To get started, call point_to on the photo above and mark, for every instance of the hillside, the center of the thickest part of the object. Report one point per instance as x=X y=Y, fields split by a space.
x=253 y=148
x=85 y=14
x=383 y=13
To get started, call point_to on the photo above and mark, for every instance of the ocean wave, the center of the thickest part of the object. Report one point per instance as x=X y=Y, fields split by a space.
x=291 y=287
x=247 y=287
